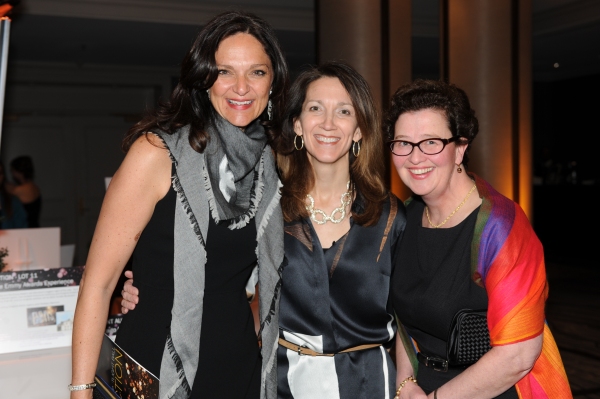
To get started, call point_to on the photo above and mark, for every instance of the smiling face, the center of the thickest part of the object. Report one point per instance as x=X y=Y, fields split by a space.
x=426 y=174
x=327 y=122
x=241 y=92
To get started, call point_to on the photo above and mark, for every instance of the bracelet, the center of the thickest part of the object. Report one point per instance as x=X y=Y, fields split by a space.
x=91 y=385
x=411 y=378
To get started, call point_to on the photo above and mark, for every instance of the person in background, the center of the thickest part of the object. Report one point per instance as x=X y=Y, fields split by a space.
x=466 y=246
x=12 y=212
x=25 y=189
x=341 y=230
x=199 y=178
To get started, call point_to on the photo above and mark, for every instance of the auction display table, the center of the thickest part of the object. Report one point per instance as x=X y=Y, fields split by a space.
x=38 y=374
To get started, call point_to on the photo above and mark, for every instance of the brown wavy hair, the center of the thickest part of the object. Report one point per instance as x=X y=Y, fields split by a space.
x=367 y=171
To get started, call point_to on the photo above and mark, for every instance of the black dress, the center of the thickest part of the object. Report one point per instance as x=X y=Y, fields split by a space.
x=430 y=283
x=33 y=209
x=230 y=362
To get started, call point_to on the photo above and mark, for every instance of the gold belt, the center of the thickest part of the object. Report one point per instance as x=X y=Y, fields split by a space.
x=301 y=350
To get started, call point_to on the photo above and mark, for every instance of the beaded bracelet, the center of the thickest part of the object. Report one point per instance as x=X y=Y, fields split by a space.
x=91 y=385
x=411 y=378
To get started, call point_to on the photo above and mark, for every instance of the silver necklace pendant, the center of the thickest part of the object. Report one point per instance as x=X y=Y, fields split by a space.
x=345 y=201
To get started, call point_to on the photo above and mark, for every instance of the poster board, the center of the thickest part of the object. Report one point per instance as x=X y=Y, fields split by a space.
x=37 y=308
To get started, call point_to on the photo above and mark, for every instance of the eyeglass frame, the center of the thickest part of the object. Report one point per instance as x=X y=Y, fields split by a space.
x=445 y=142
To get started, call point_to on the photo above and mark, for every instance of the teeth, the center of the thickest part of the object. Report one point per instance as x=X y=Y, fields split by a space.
x=240 y=102
x=327 y=139
x=421 y=171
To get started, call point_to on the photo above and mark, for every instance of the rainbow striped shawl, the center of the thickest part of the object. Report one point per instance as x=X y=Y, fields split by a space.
x=507 y=259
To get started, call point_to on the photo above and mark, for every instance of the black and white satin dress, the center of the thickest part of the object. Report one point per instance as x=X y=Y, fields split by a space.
x=336 y=299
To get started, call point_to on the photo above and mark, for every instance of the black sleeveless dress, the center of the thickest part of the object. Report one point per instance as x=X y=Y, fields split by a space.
x=33 y=210
x=430 y=283
x=230 y=362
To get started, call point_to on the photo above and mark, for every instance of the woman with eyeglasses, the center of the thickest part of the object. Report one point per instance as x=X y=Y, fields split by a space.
x=465 y=246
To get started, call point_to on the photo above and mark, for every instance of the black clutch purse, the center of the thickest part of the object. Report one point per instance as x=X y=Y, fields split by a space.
x=468 y=338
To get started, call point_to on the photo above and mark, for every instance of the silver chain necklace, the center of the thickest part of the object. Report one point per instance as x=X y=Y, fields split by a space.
x=346 y=199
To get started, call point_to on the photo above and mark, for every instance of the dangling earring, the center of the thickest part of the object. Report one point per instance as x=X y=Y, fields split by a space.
x=270 y=110
x=296 y=142
x=270 y=106
x=356 y=148
x=459 y=169
x=208 y=93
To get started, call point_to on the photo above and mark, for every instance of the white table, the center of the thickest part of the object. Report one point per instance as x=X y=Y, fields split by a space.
x=39 y=374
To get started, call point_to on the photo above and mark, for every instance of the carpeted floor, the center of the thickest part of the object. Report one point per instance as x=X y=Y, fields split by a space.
x=573 y=314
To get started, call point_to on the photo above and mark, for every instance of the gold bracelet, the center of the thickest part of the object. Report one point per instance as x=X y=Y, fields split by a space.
x=91 y=385
x=411 y=378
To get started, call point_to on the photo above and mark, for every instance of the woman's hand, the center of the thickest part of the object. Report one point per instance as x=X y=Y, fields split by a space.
x=411 y=391
x=498 y=370
x=130 y=294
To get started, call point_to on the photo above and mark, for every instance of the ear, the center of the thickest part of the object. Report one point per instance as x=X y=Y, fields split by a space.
x=357 y=135
x=460 y=152
x=298 y=127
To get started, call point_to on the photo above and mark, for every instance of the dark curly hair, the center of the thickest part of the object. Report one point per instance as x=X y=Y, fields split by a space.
x=189 y=103
x=448 y=98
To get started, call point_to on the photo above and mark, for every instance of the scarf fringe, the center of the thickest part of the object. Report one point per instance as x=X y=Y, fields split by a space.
x=187 y=208
x=269 y=211
x=212 y=202
x=178 y=365
x=271 y=313
x=269 y=366
x=255 y=196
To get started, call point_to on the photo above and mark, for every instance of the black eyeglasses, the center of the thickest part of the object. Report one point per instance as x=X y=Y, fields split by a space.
x=434 y=146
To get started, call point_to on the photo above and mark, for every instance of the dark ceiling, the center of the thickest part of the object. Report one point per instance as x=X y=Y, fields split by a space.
x=575 y=45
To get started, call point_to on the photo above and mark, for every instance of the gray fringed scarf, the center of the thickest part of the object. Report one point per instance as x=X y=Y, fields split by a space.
x=194 y=182
x=231 y=160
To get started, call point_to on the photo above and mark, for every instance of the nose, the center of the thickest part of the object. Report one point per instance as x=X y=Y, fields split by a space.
x=328 y=121
x=241 y=86
x=416 y=155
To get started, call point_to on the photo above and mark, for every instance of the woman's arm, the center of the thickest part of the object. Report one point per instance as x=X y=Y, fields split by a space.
x=494 y=373
x=404 y=370
x=142 y=179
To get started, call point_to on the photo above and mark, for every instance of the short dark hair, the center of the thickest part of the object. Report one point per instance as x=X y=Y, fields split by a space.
x=24 y=165
x=448 y=98
x=367 y=171
x=189 y=103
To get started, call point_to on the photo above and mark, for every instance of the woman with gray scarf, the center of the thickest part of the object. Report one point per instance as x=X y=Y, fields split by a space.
x=341 y=228
x=199 y=179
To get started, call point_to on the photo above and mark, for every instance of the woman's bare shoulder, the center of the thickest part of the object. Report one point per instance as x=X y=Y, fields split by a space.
x=146 y=165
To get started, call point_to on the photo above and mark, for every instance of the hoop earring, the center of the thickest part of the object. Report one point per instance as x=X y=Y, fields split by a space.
x=459 y=169
x=295 y=142
x=355 y=148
